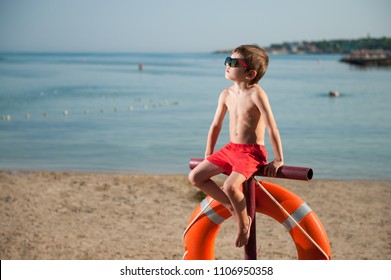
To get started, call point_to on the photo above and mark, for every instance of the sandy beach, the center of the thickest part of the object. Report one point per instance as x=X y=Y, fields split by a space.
x=53 y=215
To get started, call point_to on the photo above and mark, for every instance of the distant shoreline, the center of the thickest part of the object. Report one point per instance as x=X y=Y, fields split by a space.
x=338 y=46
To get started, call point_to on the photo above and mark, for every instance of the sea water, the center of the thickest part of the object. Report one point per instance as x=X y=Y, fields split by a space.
x=105 y=112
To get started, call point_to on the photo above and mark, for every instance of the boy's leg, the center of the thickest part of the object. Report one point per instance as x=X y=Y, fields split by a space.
x=232 y=189
x=201 y=176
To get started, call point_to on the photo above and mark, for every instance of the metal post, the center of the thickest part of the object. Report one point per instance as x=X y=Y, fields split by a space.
x=250 y=250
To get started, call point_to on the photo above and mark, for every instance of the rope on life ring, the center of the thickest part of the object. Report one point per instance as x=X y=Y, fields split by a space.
x=302 y=223
x=292 y=219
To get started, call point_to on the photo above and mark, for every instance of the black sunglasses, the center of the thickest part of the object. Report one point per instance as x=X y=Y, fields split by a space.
x=233 y=62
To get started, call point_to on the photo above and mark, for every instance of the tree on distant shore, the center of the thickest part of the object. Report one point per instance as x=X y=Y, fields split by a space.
x=340 y=46
x=344 y=46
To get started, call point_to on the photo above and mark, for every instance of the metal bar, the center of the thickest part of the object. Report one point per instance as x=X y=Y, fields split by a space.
x=250 y=249
x=285 y=172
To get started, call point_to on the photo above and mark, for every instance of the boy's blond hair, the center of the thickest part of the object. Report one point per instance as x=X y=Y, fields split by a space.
x=256 y=58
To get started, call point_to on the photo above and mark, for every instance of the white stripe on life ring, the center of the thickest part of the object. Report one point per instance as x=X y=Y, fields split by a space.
x=210 y=213
x=298 y=215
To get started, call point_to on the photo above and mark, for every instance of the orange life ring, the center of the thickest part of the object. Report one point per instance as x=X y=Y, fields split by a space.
x=204 y=224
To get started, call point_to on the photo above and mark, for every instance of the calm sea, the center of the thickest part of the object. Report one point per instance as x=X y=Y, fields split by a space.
x=98 y=112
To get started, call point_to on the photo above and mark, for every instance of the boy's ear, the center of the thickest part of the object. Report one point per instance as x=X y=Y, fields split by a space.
x=251 y=74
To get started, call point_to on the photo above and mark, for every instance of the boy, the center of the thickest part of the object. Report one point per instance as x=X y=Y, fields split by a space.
x=249 y=115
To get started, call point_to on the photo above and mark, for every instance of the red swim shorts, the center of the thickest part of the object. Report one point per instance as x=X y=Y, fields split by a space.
x=245 y=159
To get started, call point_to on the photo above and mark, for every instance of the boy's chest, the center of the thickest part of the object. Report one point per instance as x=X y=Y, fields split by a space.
x=240 y=105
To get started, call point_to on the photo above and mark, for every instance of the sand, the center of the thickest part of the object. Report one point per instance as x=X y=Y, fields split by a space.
x=101 y=216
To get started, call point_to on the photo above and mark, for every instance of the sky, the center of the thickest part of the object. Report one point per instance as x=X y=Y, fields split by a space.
x=183 y=25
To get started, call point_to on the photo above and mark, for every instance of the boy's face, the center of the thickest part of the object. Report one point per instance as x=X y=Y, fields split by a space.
x=237 y=73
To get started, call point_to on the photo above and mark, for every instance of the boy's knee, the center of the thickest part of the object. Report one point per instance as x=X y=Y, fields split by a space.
x=229 y=189
x=193 y=178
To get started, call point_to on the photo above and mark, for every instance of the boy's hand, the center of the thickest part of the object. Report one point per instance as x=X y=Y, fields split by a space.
x=272 y=167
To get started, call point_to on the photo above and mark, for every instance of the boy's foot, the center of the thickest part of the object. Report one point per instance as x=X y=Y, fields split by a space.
x=243 y=234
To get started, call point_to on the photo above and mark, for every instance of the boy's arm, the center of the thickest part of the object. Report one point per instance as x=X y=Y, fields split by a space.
x=216 y=125
x=267 y=116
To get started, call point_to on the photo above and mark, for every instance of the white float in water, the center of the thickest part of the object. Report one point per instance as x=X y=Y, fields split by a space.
x=334 y=93
x=6 y=118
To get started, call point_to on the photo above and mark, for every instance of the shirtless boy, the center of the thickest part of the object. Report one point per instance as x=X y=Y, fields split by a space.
x=249 y=116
